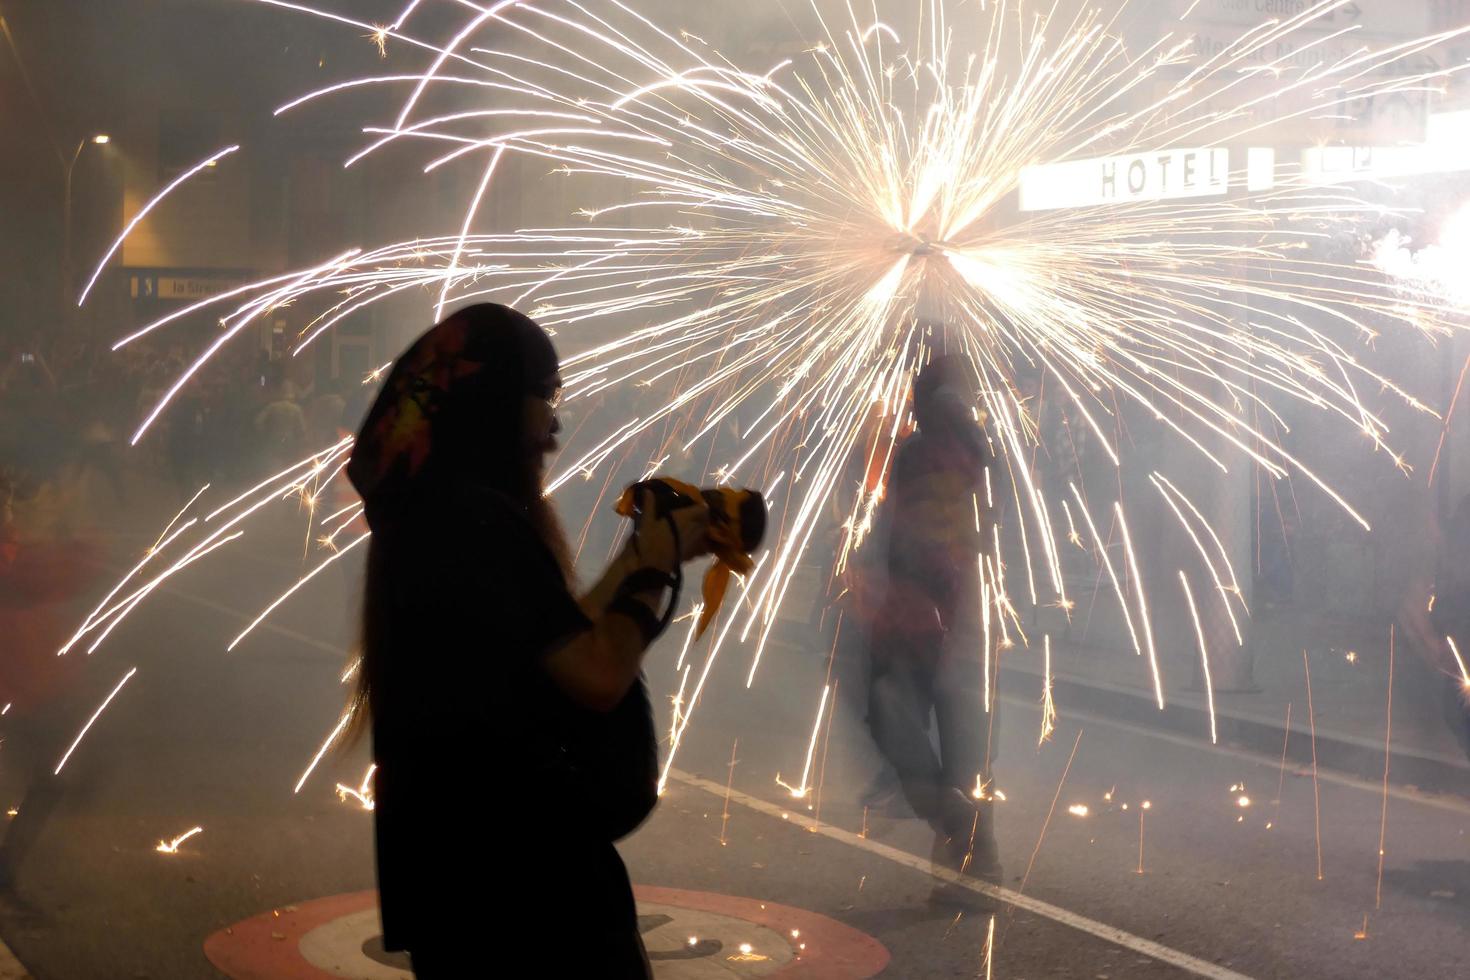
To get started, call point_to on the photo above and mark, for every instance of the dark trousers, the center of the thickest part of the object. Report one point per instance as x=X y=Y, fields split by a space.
x=913 y=677
x=34 y=744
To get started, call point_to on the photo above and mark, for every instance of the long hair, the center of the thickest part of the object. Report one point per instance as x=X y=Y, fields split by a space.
x=380 y=584
x=478 y=443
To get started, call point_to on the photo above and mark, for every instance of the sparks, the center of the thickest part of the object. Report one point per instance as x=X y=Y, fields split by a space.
x=799 y=238
x=1459 y=662
x=362 y=794
x=172 y=846
x=327 y=744
x=1048 y=706
x=93 y=720
x=800 y=791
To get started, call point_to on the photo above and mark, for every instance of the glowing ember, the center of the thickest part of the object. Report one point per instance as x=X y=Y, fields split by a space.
x=172 y=846
x=786 y=234
x=363 y=794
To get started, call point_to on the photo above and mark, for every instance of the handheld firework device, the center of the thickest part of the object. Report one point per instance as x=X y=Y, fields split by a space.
x=737 y=524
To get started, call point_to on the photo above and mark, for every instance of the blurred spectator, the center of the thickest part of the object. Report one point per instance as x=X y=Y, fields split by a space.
x=324 y=417
x=43 y=563
x=937 y=481
x=281 y=426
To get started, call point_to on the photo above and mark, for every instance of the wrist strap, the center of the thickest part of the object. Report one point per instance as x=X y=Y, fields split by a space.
x=646 y=580
x=624 y=603
x=648 y=623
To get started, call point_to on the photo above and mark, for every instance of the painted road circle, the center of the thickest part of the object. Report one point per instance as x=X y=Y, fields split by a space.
x=689 y=935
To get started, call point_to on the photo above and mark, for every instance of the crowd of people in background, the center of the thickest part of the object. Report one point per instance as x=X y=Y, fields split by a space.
x=69 y=480
x=70 y=406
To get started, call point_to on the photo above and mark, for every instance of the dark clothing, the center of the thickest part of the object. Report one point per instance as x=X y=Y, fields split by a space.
x=932 y=540
x=496 y=794
x=912 y=677
x=473 y=818
x=936 y=492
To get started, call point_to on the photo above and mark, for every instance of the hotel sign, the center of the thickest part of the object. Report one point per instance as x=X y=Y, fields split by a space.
x=1161 y=175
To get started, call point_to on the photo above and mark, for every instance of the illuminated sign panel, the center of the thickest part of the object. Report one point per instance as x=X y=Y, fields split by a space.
x=1158 y=176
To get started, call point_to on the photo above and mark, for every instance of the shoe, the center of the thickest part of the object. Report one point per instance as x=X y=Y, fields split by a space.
x=964 y=844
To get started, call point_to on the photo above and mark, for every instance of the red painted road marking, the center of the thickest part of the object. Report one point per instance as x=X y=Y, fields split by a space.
x=833 y=951
x=268 y=946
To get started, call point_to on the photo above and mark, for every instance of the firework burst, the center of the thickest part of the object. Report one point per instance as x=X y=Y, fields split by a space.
x=794 y=238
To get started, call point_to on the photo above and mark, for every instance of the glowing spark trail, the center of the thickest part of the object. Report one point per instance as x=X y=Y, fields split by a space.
x=363 y=794
x=800 y=791
x=170 y=525
x=1225 y=594
x=1204 y=656
x=1148 y=633
x=1048 y=706
x=1281 y=771
x=178 y=181
x=93 y=720
x=1047 y=822
x=1459 y=662
x=822 y=771
x=729 y=784
x=172 y=846
x=332 y=738
x=1316 y=792
x=769 y=252
x=990 y=949
x=291 y=591
x=1387 y=744
x=1142 y=809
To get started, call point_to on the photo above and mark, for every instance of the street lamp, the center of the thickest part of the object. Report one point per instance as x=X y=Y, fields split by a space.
x=100 y=139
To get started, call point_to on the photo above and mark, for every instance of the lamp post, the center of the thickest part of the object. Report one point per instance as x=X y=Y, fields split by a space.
x=100 y=139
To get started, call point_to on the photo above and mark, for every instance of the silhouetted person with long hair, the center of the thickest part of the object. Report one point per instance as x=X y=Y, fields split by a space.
x=935 y=491
x=512 y=732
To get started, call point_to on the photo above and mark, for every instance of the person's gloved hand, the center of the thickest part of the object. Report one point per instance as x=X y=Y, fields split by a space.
x=653 y=540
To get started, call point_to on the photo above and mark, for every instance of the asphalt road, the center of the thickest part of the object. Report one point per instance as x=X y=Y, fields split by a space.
x=201 y=737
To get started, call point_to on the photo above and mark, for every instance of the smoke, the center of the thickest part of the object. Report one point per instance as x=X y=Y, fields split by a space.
x=1436 y=270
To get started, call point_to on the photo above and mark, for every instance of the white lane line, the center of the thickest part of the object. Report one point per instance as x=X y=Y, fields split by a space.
x=1454 y=804
x=1103 y=931
x=266 y=627
x=232 y=611
x=1439 y=802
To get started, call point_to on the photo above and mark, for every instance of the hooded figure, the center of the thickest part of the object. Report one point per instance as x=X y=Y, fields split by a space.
x=938 y=475
x=508 y=760
x=936 y=491
x=450 y=413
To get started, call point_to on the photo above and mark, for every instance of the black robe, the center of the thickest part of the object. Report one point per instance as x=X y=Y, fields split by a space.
x=483 y=840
